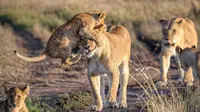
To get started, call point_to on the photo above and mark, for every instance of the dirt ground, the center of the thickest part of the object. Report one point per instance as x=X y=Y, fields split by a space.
x=48 y=78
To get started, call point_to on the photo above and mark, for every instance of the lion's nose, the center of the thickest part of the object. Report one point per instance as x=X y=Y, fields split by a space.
x=167 y=44
x=87 y=47
x=14 y=105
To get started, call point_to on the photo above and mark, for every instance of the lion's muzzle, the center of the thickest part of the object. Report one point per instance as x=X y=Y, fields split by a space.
x=168 y=44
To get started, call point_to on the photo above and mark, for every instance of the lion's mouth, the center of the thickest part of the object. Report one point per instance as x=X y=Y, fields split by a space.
x=88 y=51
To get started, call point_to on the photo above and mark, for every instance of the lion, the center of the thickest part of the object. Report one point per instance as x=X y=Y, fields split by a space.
x=63 y=42
x=107 y=53
x=15 y=101
x=189 y=63
x=176 y=32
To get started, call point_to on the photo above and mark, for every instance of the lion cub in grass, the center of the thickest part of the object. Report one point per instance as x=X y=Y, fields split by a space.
x=15 y=101
x=189 y=63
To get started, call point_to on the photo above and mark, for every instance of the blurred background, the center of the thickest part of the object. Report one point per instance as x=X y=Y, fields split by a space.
x=26 y=25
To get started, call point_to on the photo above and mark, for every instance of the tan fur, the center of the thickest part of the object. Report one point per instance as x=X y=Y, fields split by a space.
x=189 y=63
x=15 y=101
x=111 y=57
x=176 y=32
x=62 y=43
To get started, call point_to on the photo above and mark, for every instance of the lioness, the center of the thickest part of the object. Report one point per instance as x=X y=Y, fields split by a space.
x=189 y=63
x=62 y=43
x=15 y=101
x=176 y=32
x=111 y=57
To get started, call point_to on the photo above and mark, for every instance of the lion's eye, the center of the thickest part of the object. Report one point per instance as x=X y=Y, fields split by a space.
x=90 y=39
x=174 y=31
x=18 y=96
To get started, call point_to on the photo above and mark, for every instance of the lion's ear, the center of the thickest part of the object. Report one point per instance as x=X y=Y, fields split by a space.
x=6 y=89
x=180 y=21
x=163 y=21
x=26 y=90
x=178 y=49
x=102 y=15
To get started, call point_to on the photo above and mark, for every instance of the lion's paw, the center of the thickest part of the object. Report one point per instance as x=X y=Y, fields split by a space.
x=113 y=105
x=93 y=108
x=122 y=105
x=189 y=84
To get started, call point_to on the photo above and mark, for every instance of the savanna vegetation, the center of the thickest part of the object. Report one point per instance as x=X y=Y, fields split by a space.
x=26 y=25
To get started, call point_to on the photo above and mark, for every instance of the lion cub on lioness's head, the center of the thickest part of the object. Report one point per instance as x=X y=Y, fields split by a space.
x=15 y=101
x=189 y=63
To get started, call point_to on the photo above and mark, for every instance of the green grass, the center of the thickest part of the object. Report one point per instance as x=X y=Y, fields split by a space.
x=32 y=106
x=137 y=16
x=73 y=101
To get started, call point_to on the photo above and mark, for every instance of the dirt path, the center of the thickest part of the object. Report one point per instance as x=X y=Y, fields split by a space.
x=46 y=78
x=49 y=79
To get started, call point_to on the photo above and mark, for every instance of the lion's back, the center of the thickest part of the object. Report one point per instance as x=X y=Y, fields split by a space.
x=190 y=34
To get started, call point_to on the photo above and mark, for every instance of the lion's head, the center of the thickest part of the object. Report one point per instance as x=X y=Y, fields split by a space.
x=88 y=47
x=16 y=96
x=92 y=20
x=172 y=31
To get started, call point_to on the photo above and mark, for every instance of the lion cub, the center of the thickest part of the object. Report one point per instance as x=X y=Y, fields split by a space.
x=15 y=99
x=189 y=63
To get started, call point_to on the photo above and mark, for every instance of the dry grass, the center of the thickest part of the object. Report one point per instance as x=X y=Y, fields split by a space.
x=138 y=16
x=156 y=100
x=37 y=19
x=167 y=98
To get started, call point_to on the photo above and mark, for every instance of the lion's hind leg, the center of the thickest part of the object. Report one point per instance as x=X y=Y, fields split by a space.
x=124 y=76
x=70 y=60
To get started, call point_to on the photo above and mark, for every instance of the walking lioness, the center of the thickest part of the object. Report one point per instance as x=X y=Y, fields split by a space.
x=108 y=53
x=63 y=42
x=15 y=101
x=176 y=32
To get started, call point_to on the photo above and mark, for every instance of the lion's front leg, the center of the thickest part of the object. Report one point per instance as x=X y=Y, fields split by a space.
x=70 y=60
x=189 y=77
x=164 y=66
x=94 y=80
x=181 y=71
x=102 y=88
x=114 y=76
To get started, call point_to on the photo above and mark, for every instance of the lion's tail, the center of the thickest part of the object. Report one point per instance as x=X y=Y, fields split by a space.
x=31 y=59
